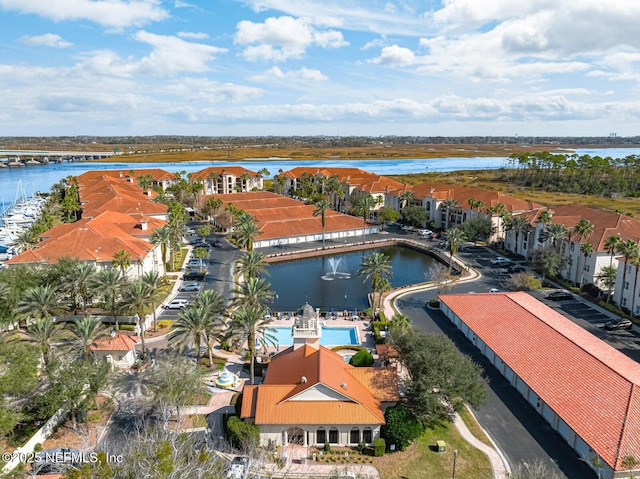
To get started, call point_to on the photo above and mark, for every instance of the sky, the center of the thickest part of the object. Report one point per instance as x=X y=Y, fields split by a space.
x=319 y=67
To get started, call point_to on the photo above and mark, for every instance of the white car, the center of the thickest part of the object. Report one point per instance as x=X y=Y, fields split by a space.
x=500 y=260
x=190 y=287
x=407 y=228
x=425 y=232
x=176 y=304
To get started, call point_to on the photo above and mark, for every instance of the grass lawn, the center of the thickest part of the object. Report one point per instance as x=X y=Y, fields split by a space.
x=474 y=427
x=420 y=461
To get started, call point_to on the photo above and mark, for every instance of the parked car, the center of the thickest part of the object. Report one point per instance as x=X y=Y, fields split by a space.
x=494 y=290
x=516 y=269
x=194 y=276
x=217 y=243
x=191 y=231
x=201 y=244
x=176 y=304
x=407 y=228
x=238 y=468
x=190 y=287
x=425 y=232
x=560 y=295
x=500 y=261
x=619 y=323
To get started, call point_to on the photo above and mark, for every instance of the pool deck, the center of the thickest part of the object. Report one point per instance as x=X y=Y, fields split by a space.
x=364 y=331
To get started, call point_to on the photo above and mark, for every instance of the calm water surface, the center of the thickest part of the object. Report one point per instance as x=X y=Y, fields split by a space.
x=307 y=280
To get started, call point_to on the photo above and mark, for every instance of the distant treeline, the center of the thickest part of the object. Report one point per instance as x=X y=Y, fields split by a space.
x=315 y=141
x=584 y=174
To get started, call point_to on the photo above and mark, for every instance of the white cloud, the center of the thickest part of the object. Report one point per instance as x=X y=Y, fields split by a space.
x=395 y=56
x=276 y=73
x=169 y=57
x=181 y=4
x=109 y=13
x=46 y=40
x=282 y=38
x=193 y=35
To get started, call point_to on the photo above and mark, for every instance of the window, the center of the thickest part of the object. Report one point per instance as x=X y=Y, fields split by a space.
x=626 y=285
x=321 y=436
x=367 y=435
x=333 y=435
x=573 y=246
x=354 y=437
x=624 y=301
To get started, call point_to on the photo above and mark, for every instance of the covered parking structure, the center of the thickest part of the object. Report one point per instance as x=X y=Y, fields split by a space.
x=586 y=390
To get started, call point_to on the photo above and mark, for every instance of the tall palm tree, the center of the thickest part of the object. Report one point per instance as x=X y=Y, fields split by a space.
x=252 y=264
x=586 y=249
x=213 y=306
x=383 y=286
x=84 y=275
x=321 y=209
x=214 y=205
x=362 y=205
x=250 y=322
x=629 y=250
x=46 y=334
x=455 y=237
x=122 y=260
x=153 y=281
x=253 y=292
x=611 y=246
x=83 y=333
x=40 y=302
x=25 y=241
x=407 y=198
x=190 y=328
x=449 y=204
x=635 y=262
x=109 y=283
x=517 y=224
x=136 y=298
x=555 y=233
x=162 y=236
x=583 y=229
x=545 y=217
x=498 y=210
x=246 y=234
x=376 y=266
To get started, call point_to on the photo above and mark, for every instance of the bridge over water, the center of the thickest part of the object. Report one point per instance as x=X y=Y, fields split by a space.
x=37 y=157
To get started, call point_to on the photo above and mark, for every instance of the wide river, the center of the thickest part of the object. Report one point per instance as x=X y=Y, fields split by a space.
x=40 y=178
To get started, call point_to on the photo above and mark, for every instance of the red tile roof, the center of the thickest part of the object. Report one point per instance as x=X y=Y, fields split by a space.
x=120 y=342
x=157 y=174
x=604 y=223
x=361 y=179
x=279 y=401
x=228 y=170
x=590 y=385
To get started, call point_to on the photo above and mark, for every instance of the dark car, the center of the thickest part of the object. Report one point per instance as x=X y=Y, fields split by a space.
x=516 y=269
x=619 y=323
x=201 y=244
x=217 y=243
x=194 y=276
x=560 y=296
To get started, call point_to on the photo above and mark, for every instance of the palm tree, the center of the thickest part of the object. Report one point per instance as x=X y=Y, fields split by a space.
x=190 y=328
x=583 y=229
x=448 y=205
x=122 y=260
x=253 y=292
x=109 y=284
x=629 y=250
x=517 y=224
x=84 y=275
x=40 y=302
x=610 y=246
x=25 y=241
x=246 y=234
x=46 y=334
x=153 y=281
x=214 y=204
x=383 y=286
x=635 y=262
x=376 y=266
x=555 y=233
x=251 y=323
x=162 y=236
x=544 y=217
x=252 y=264
x=83 y=334
x=455 y=237
x=407 y=198
x=213 y=305
x=136 y=298
x=321 y=209
x=586 y=249
x=362 y=205
x=475 y=204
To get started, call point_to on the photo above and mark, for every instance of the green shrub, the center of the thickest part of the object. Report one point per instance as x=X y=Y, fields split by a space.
x=351 y=347
x=164 y=323
x=242 y=434
x=236 y=402
x=379 y=446
x=382 y=317
x=225 y=346
x=401 y=427
x=614 y=309
x=377 y=327
x=592 y=290
x=368 y=312
x=327 y=447
x=361 y=359
x=37 y=447
x=127 y=327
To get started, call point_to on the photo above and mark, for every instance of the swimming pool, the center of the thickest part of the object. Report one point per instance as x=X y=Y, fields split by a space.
x=331 y=336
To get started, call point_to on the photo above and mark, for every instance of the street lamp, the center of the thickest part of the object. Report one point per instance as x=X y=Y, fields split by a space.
x=455 y=456
x=277 y=307
x=345 y=302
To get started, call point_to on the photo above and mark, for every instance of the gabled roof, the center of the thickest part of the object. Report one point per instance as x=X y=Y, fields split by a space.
x=282 y=399
x=593 y=387
x=361 y=179
x=228 y=170
x=156 y=173
x=604 y=223
x=120 y=342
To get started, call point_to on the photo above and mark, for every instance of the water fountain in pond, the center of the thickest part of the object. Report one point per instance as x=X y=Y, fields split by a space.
x=333 y=272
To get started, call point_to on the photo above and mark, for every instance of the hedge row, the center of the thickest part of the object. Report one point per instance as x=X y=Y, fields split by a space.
x=351 y=347
x=377 y=327
x=242 y=434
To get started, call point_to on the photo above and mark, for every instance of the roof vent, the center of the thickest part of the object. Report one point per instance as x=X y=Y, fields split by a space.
x=304 y=379
x=343 y=385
